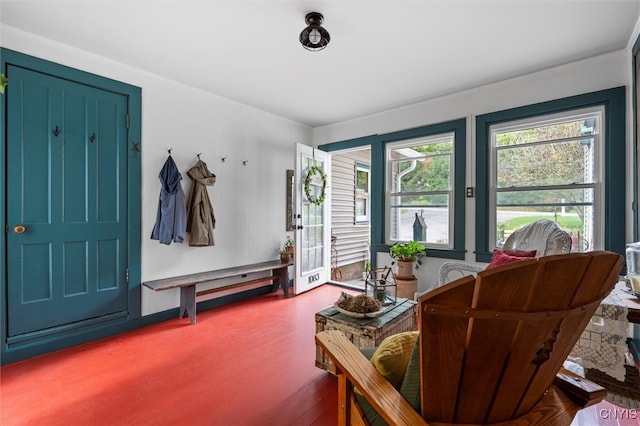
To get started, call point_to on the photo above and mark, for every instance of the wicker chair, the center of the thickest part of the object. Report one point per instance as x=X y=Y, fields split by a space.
x=490 y=349
x=543 y=235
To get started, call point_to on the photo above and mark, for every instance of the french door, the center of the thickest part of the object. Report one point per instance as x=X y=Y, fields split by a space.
x=313 y=233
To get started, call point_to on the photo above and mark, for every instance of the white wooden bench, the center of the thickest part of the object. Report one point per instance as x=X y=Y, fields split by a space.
x=187 y=283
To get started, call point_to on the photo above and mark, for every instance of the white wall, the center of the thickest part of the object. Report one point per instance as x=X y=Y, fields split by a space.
x=598 y=73
x=249 y=201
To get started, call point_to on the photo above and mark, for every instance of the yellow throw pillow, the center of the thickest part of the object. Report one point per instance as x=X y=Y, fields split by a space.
x=392 y=356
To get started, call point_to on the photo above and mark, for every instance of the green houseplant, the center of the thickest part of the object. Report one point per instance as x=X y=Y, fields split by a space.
x=287 y=250
x=411 y=251
x=406 y=255
x=289 y=245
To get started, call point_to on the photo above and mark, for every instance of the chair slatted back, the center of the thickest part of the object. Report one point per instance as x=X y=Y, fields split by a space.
x=492 y=345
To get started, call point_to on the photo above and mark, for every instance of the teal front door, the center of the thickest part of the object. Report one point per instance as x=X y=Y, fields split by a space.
x=66 y=202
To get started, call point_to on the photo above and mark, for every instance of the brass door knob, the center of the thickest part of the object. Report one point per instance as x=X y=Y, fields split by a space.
x=19 y=229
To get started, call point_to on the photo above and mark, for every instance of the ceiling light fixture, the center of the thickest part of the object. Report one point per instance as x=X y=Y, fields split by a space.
x=314 y=37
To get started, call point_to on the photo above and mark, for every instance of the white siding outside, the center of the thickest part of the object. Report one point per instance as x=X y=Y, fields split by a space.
x=352 y=240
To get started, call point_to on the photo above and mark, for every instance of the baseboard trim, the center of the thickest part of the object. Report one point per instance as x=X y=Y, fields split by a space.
x=23 y=348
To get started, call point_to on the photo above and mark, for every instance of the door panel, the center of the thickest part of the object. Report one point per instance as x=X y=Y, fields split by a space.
x=67 y=185
x=312 y=263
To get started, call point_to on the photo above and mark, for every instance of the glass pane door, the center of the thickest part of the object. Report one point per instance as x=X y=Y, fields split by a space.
x=312 y=201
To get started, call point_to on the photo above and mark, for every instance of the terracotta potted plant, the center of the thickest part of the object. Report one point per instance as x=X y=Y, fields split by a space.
x=289 y=246
x=285 y=257
x=406 y=255
x=287 y=250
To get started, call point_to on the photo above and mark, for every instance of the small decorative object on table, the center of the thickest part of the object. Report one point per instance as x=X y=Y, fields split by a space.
x=360 y=306
x=633 y=267
x=380 y=286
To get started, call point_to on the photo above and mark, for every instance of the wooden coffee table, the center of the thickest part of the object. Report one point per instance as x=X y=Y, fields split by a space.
x=366 y=332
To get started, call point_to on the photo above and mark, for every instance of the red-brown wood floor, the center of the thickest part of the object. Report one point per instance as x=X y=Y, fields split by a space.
x=248 y=363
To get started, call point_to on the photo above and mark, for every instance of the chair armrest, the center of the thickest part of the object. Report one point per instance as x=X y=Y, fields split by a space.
x=461 y=267
x=350 y=362
x=581 y=391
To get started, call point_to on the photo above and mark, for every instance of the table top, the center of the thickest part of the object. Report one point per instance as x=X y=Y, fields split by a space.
x=392 y=312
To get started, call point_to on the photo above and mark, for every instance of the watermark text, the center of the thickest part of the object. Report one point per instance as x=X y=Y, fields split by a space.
x=619 y=413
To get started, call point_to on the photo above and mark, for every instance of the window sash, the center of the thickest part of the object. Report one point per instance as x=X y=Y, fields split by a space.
x=596 y=205
x=361 y=196
x=394 y=209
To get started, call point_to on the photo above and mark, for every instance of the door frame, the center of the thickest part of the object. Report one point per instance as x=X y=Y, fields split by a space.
x=322 y=275
x=67 y=336
x=355 y=224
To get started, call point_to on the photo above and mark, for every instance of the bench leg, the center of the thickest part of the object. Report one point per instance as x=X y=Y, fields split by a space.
x=281 y=276
x=188 y=302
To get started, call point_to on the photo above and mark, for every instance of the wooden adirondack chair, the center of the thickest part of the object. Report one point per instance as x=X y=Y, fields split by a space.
x=491 y=347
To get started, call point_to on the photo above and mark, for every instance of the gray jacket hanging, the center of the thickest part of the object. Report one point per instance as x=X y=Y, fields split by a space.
x=200 y=218
x=171 y=216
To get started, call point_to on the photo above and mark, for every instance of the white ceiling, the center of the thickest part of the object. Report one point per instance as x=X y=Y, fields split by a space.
x=383 y=54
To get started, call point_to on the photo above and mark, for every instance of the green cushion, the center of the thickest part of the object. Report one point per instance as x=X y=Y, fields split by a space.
x=367 y=409
x=368 y=352
x=410 y=388
x=369 y=412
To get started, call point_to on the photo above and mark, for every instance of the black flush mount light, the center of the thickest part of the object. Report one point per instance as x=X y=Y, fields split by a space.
x=314 y=37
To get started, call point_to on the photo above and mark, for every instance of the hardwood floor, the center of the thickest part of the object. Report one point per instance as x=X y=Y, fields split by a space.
x=248 y=363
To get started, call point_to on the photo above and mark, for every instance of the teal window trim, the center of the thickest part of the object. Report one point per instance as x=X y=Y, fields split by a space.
x=376 y=180
x=613 y=101
x=377 y=143
x=459 y=129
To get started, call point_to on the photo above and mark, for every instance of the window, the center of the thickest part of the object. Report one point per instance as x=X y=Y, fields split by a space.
x=443 y=239
x=362 y=189
x=559 y=160
x=549 y=167
x=420 y=188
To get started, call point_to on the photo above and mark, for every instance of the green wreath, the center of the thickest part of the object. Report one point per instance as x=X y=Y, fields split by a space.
x=307 y=186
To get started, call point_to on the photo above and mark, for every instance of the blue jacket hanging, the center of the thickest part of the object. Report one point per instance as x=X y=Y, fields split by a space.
x=171 y=219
